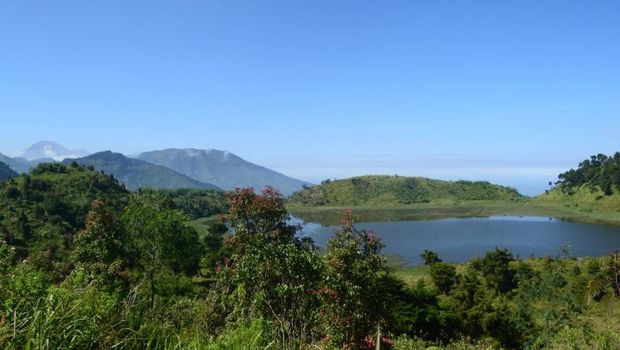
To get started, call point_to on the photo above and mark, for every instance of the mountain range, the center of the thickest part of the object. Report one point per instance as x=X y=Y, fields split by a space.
x=163 y=169
x=223 y=169
x=19 y=165
x=136 y=174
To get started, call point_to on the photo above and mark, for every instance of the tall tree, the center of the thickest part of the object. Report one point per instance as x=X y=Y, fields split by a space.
x=160 y=238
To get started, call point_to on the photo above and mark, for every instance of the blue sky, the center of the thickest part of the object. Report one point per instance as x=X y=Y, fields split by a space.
x=511 y=92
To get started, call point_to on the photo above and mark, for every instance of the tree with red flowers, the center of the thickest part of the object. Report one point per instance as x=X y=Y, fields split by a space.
x=272 y=272
x=351 y=294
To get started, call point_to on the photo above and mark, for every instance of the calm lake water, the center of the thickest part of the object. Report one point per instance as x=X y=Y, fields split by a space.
x=458 y=240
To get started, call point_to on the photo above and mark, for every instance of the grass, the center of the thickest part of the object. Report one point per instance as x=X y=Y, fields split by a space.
x=412 y=274
x=398 y=190
x=461 y=209
x=201 y=225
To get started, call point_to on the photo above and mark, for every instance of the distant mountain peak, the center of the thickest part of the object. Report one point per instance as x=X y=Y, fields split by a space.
x=51 y=150
x=221 y=168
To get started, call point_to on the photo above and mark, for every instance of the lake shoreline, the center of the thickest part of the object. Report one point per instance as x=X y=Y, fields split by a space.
x=330 y=215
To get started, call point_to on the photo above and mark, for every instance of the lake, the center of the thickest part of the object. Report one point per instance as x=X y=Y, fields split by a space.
x=458 y=240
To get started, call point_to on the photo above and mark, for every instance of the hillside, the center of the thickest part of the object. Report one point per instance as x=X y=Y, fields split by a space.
x=593 y=186
x=222 y=169
x=40 y=212
x=582 y=198
x=6 y=172
x=135 y=173
x=397 y=190
x=19 y=165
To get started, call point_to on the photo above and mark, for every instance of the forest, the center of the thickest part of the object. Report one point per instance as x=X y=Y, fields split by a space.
x=86 y=264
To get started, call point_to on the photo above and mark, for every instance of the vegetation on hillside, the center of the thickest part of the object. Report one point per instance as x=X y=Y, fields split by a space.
x=41 y=211
x=398 y=190
x=195 y=203
x=600 y=172
x=136 y=275
x=6 y=172
x=593 y=187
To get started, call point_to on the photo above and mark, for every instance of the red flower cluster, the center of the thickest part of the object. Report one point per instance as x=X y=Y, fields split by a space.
x=347 y=218
x=386 y=343
x=371 y=237
x=325 y=292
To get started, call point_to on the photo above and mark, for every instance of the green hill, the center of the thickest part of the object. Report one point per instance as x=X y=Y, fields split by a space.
x=593 y=186
x=582 y=198
x=600 y=172
x=135 y=173
x=397 y=190
x=6 y=172
x=41 y=211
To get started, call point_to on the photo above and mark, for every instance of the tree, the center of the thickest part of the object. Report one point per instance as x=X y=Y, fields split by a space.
x=430 y=257
x=444 y=276
x=495 y=266
x=351 y=292
x=160 y=238
x=100 y=248
x=272 y=272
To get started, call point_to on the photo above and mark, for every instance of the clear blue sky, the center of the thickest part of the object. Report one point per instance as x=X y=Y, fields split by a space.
x=512 y=92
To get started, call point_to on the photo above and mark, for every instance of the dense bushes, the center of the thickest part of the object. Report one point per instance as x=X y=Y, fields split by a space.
x=135 y=275
x=194 y=203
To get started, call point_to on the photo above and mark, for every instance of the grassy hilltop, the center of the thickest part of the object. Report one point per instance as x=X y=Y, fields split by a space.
x=398 y=190
x=589 y=193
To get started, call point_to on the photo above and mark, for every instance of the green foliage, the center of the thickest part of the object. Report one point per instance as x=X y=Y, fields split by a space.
x=352 y=290
x=600 y=172
x=195 y=203
x=398 y=190
x=414 y=311
x=444 y=276
x=430 y=257
x=160 y=238
x=85 y=264
x=99 y=248
x=40 y=212
x=271 y=272
x=496 y=269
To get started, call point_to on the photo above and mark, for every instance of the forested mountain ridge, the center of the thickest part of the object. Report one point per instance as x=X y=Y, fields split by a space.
x=398 y=190
x=19 y=165
x=135 y=173
x=223 y=169
x=6 y=172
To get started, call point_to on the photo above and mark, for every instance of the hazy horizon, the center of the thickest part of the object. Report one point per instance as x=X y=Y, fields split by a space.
x=512 y=93
x=515 y=173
